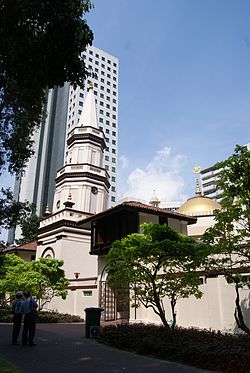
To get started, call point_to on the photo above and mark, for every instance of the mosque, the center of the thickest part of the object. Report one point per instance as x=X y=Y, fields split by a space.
x=81 y=229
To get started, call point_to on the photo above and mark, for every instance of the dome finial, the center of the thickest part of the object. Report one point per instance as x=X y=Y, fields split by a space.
x=196 y=171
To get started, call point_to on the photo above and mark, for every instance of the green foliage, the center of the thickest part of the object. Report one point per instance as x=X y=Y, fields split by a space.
x=12 y=212
x=43 y=277
x=29 y=227
x=228 y=239
x=156 y=264
x=204 y=349
x=41 y=43
x=43 y=317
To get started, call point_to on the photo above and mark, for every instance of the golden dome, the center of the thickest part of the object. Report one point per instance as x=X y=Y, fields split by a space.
x=199 y=206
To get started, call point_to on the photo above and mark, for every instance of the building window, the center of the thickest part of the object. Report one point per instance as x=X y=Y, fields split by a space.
x=114 y=64
x=113 y=198
x=114 y=108
x=109 y=61
x=90 y=52
x=95 y=93
x=81 y=95
x=108 y=83
x=106 y=167
x=97 y=55
x=101 y=128
x=102 y=88
x=113 y=133
x=106 y=158
x=103 y=66
x=107 y=130
x=103 y=58
x=113 y=189
x=113 y=169
x=87 y=293
x=108 y=98
x=96 y=62
x=107 y=106
x=102 y=95
x=107 y=114
x=102 y=73
x=80 y=103
x=113 y=142
x=114 y=100
x=114 y=116
x=114 y=85
x=113 y=160
x=114 y=71
x=108 y=75
x=114 y=78
x=102 y=80
x=107 y=122
x=101 y=112
x=107 y=140
x=79 y=112
x=95 y=85
x=107 y=149
x=114 y=93
x=113 y=151
x=90 y=59
x=113 y=178
x=101 y=103
x=101 y=120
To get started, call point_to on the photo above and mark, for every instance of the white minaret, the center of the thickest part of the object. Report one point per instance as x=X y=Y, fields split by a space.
x=83 y=176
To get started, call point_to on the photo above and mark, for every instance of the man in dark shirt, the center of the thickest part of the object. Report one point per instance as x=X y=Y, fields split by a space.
x=16 y=310
x=29 y=323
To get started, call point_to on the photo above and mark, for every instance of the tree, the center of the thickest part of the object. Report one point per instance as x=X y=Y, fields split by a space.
x=229 y=237
x=41 y=44
x=29 y=227
x=43 y=277
x=12 y=212
x=158 y=263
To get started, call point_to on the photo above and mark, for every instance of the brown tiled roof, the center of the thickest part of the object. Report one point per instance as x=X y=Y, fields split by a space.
x=31 y=246
x=139 y=206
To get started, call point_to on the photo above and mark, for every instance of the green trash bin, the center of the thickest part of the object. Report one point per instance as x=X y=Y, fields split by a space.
x=93 y=318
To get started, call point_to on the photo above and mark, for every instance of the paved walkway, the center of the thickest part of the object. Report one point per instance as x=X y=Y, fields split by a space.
x=62 y=348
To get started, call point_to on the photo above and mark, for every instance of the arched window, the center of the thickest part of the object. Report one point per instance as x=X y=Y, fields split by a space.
x=48 y=253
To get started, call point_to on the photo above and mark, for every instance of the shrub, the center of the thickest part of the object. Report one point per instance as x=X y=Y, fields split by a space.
x=201 y=348
x=43 y=317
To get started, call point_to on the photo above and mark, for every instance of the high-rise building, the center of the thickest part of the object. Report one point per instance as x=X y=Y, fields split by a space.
x=209 y=179
x=62 y=112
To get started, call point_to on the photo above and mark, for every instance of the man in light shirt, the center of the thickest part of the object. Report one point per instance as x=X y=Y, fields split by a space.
x=16 y=310
x=29 y=323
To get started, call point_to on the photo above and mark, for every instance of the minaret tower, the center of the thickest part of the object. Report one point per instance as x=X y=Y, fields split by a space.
x=83 y=176
x=154 y=200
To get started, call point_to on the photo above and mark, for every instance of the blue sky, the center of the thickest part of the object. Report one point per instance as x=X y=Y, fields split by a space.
x=184 y=87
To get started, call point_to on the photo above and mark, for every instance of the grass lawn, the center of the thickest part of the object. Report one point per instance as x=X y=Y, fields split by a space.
x=6 y=367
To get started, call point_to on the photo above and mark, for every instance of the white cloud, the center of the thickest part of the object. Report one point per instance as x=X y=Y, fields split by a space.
x=124 y=162
x=162 y=174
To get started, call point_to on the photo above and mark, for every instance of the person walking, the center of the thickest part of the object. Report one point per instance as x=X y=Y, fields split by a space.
x=16 y=310
x=29 y=324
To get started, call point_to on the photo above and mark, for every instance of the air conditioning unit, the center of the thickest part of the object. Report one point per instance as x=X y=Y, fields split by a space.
x=94 y=331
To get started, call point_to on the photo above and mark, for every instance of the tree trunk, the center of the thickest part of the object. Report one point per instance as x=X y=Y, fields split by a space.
x=173 y=304
x=238 y=315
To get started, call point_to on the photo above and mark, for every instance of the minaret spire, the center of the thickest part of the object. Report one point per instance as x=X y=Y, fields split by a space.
x=88 y=116
x=154 y=200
